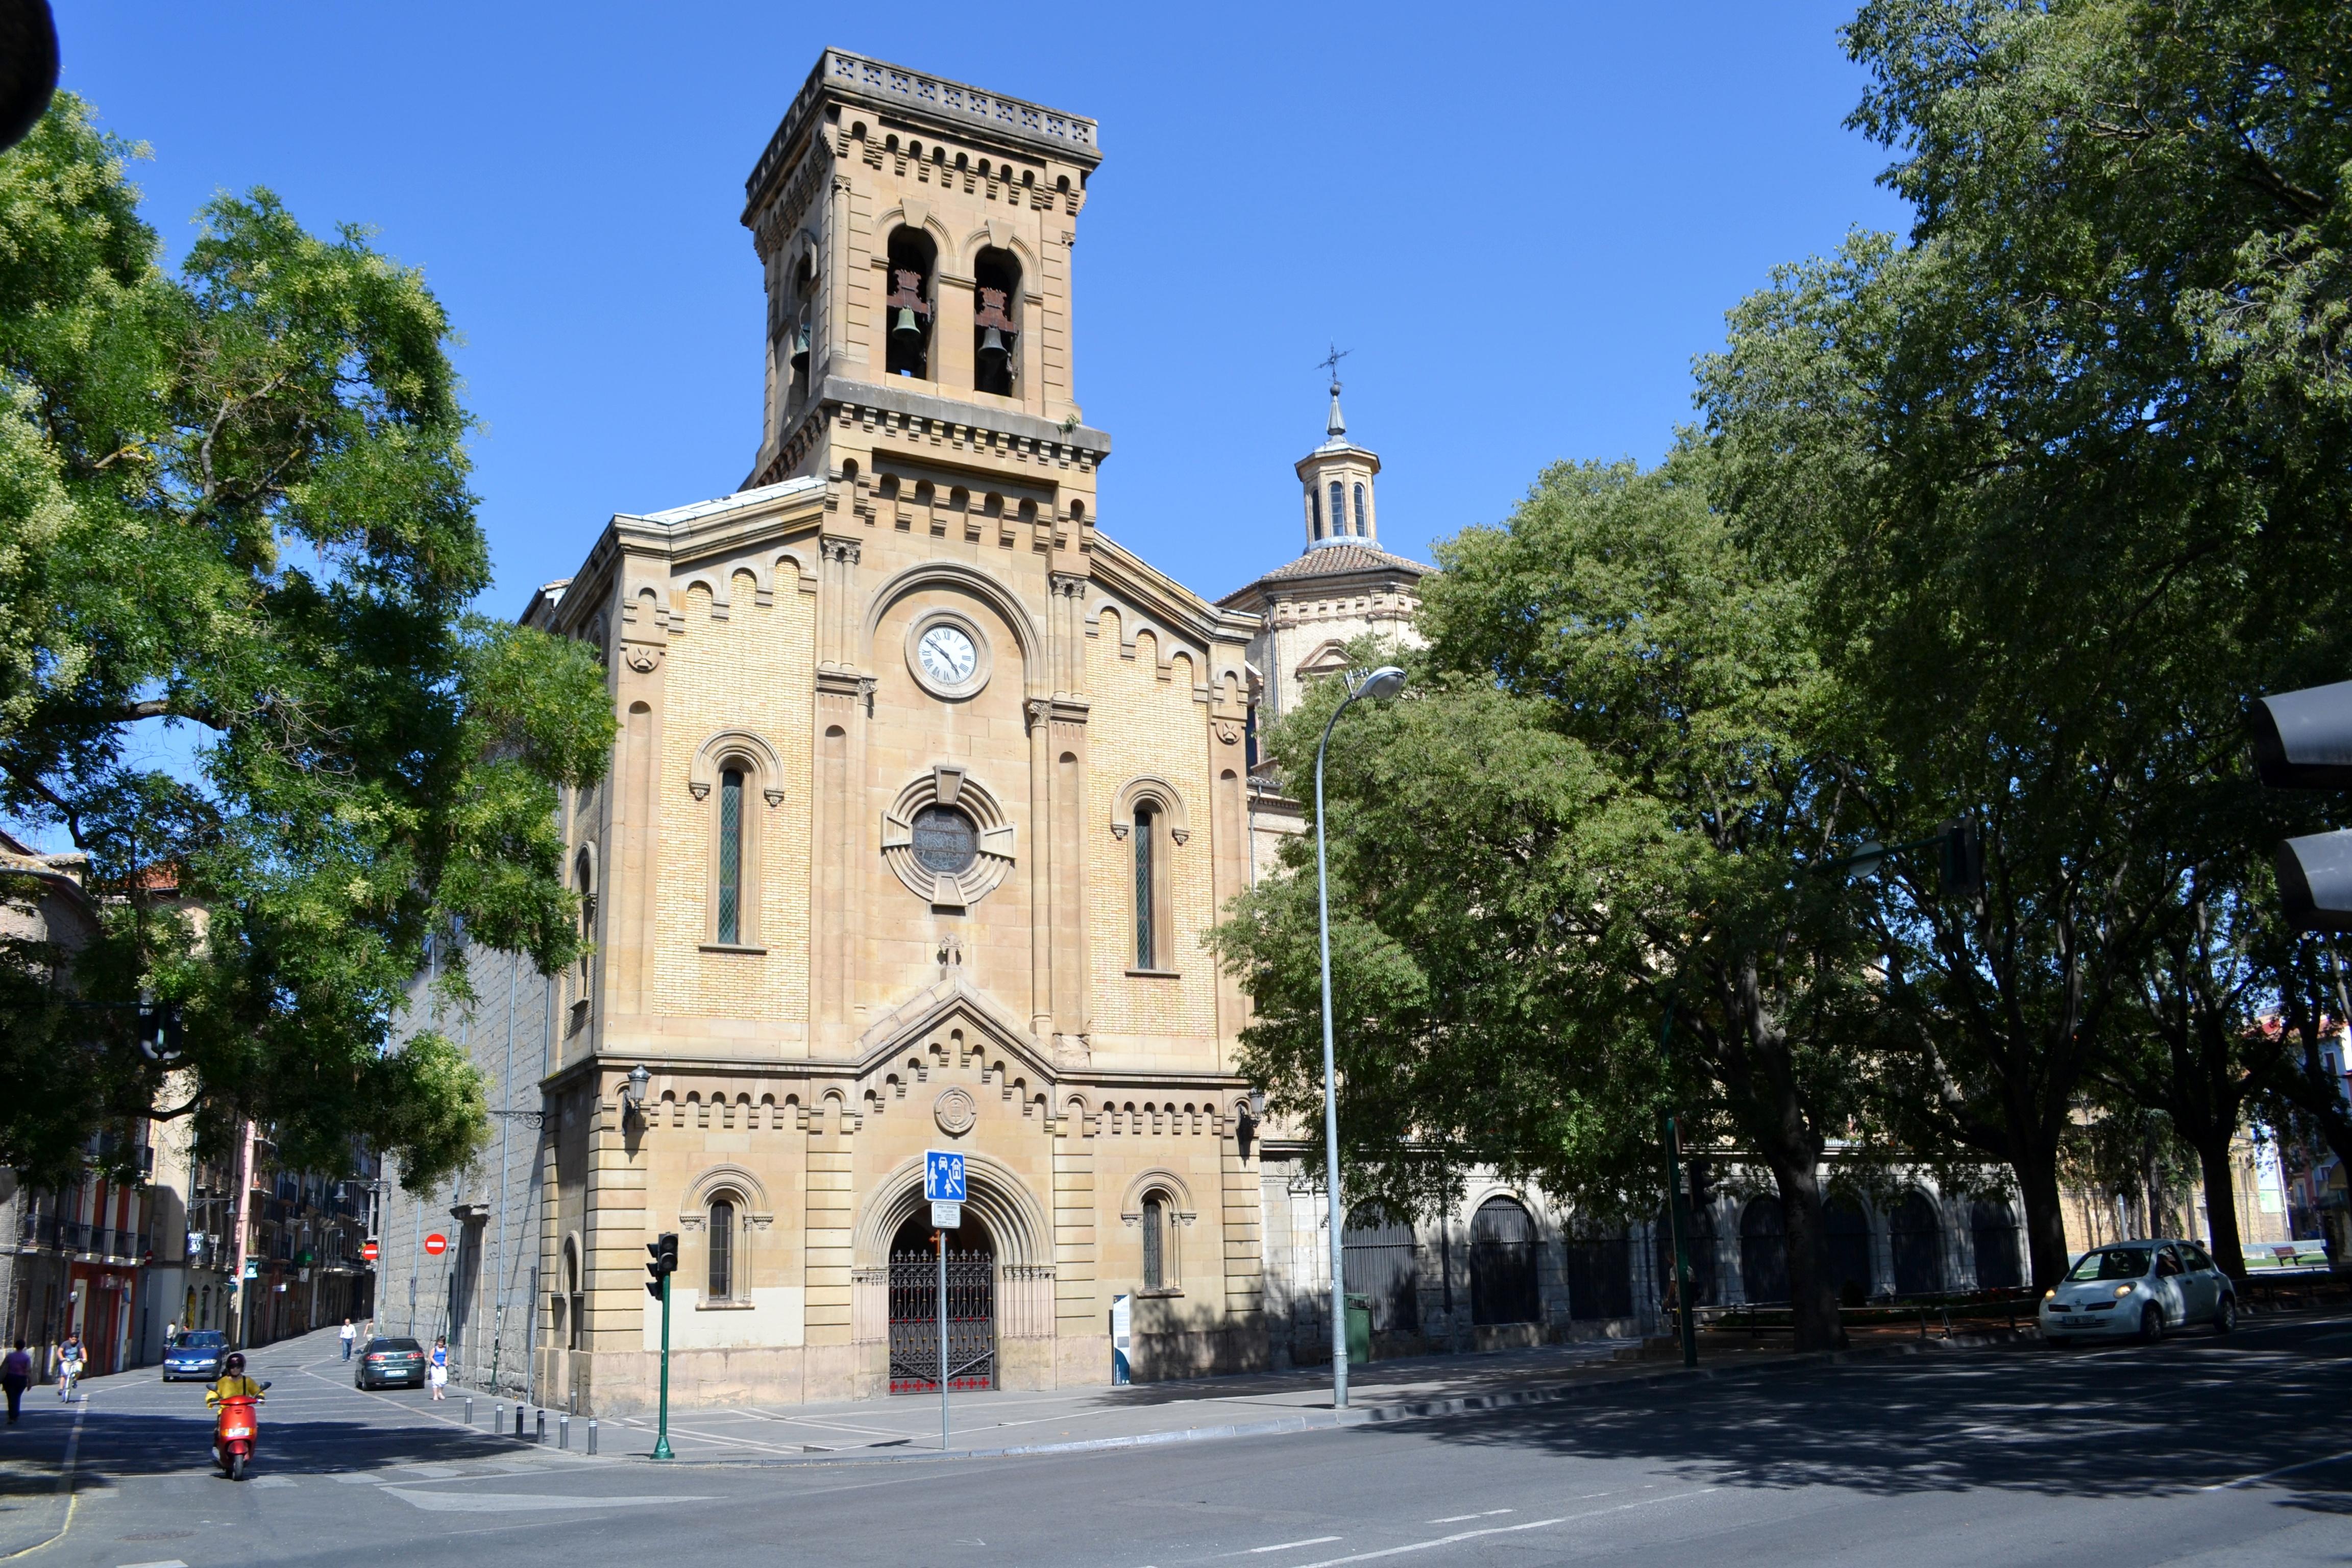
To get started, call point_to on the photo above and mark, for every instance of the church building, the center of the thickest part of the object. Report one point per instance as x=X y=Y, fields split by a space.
x=924 y=794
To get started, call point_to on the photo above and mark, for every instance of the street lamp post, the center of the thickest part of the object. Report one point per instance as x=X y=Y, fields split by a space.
x=1381 y=683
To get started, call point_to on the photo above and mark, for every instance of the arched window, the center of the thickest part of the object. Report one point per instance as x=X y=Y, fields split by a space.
x=730 y=855
x=1846 y=1249
x=1147 y=902
x=1360 y=532
x=907 y=303
x=1338 y=509
x=722 y=1250
x=1764 y=1252
x=995 y=321
x=583 y=880
x=1315 y=511
x=1599 y=1273
x=1917 y=1243
x=1155 y=1244
x=1502 y=1263
x=1993 y=1232
x=1380 y=1259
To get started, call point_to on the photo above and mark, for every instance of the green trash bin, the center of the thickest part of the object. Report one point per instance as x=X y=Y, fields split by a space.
x=1360 y=1329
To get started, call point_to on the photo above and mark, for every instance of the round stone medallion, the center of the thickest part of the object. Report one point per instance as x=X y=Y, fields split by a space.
x=955 y=1111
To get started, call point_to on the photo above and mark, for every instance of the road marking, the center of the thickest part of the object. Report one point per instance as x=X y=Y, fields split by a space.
x=167 y=1563
x=2244 y=1481
x=1460 y=1535
x=1294 y=1545
x=1459 y=1517
x=522 y=1502
x=273 y=1481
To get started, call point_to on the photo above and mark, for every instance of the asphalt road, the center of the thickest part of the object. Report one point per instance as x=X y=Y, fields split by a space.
x=2200 y=1450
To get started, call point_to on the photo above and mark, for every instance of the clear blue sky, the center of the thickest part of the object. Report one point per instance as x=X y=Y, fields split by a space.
x=1524 y=221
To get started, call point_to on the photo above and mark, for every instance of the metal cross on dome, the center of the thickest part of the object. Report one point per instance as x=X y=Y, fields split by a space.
x=1331 y=362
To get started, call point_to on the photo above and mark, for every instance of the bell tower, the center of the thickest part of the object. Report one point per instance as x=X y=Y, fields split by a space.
x=916 y=235
x=1336 y=478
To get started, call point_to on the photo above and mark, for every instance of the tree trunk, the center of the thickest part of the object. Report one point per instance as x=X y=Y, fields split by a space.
x=1812 y=1298
x=2221 y=1207
x=2045 y=1220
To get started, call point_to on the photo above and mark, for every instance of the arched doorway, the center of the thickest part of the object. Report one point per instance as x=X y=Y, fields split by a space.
x=1917 y=1243
x=1502 y=1263
x=915 y=1306
x=1993 y=1232
x=1381 y=1260
x=1763 y=1252
x=1700 y=1244
x=1846 y=1236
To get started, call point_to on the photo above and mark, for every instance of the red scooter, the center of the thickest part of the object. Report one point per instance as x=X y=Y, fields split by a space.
x=234 y=1434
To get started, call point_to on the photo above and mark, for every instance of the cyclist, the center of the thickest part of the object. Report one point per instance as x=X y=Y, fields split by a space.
x=69 y=1361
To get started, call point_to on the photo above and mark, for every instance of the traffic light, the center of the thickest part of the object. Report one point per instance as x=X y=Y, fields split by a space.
x=2303 y=739
x=664 y=1248
x=1960 y=845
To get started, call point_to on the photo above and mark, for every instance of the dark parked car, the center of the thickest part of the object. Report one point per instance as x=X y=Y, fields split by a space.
x=387 y=1362
x=196 y=1354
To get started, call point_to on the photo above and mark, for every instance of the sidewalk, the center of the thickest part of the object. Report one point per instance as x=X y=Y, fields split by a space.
x=993 y=1422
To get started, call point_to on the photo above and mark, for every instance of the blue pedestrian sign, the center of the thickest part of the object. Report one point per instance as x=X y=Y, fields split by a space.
x=943 y=1177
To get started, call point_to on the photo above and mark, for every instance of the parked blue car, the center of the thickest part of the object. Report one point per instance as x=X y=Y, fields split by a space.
x=196 y=1354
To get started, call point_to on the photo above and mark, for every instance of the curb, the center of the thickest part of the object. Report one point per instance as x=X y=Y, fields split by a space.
x=1373 y=1416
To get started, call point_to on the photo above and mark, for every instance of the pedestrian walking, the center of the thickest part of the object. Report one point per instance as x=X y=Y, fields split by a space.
x=439 y=1375
x=348 y=1333
x=15 y=1372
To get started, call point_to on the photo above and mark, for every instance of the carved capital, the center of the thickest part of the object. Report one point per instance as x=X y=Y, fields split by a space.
x=1069 y=584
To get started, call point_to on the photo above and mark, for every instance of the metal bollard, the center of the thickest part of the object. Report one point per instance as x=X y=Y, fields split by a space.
x=518 y=1431
x=498 y=1416
x=540 y=1434
x=563 y=1432
x=469 y=1410
x=592 y=1435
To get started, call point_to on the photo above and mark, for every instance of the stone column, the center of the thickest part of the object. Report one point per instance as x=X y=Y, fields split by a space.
x=613 y=1237
x=842 y=695
x=832 y=1201
x=1081 y=1333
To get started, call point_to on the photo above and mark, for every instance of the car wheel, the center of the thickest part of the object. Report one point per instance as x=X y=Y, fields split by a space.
x=2225 y=1316
x=2151 y=1323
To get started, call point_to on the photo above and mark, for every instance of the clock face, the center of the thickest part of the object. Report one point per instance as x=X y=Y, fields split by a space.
x=947 y=655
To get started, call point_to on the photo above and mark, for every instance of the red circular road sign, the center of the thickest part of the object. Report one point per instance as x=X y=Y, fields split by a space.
x=368 y=1251
x=437 y=1244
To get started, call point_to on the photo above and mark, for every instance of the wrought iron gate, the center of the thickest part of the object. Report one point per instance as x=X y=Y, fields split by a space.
x=915 y=1325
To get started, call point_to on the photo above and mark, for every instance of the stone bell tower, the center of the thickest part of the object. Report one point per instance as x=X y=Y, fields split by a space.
x=916 y=236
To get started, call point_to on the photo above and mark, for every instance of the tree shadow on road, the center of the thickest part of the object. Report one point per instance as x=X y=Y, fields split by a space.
x=2183 y=1418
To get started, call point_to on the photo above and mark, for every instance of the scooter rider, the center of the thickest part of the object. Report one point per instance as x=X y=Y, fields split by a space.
x=233 y=1383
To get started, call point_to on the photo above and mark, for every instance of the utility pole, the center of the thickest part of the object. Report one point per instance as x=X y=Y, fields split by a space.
x=244 y=1207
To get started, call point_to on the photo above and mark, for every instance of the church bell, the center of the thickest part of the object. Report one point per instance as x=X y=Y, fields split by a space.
x=801 y=346
x=906 y=304
x=995 y=332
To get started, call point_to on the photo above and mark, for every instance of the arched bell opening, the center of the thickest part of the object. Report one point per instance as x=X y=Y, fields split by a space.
x=995 y=321
x=906 y=304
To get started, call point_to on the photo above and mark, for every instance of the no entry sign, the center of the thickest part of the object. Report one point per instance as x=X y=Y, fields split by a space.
x=437 y=1244
x=368 y=1251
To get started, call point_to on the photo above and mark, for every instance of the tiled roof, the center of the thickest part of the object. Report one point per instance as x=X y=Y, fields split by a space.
x=1339 y=560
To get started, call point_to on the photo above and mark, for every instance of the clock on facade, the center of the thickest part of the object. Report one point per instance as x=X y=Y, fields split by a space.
x=947 y=655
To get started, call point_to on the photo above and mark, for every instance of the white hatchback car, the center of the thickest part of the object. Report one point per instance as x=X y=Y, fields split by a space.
x=2137 y=1290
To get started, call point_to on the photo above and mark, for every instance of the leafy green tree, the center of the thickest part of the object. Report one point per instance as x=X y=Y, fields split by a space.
x=2069 y=474
x=233 y=508
x=1598 y=804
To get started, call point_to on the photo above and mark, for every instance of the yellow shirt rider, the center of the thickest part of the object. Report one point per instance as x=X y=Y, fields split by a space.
x=233 y=1383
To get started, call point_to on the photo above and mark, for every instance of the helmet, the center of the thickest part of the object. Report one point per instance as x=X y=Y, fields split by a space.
x=235 y=1366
